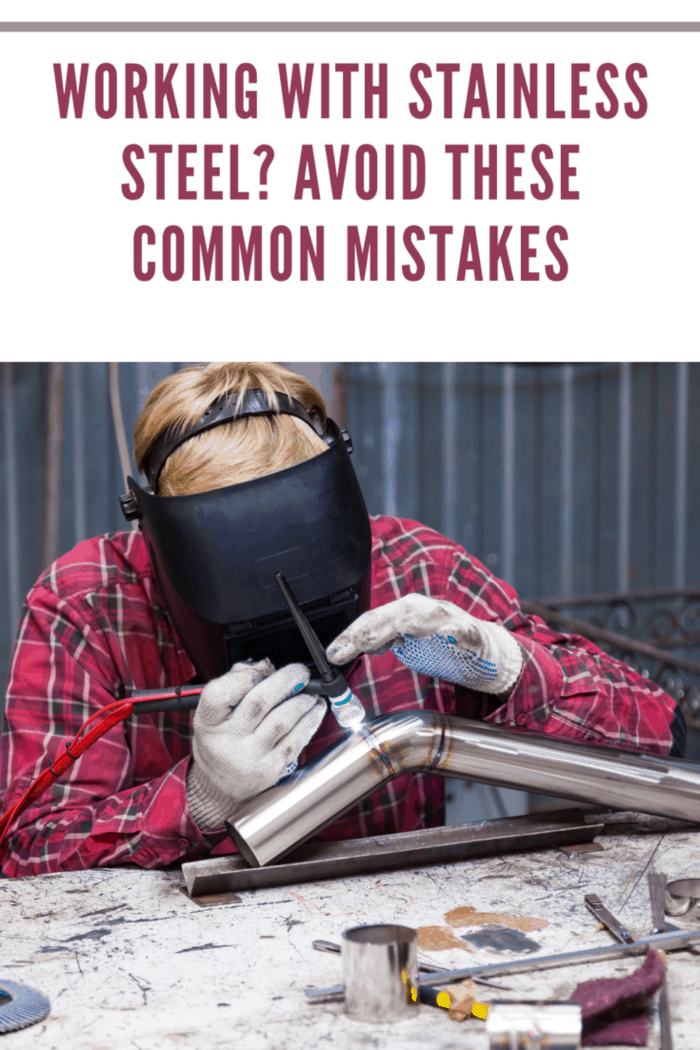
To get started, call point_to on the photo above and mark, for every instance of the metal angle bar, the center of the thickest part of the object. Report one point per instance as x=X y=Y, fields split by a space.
x=456 y=842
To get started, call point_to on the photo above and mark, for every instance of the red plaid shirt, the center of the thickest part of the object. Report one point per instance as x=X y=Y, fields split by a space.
x=95 y=622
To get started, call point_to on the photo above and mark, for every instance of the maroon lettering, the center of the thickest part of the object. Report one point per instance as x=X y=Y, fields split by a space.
x=211 y=172
x=307 y=177
x=105 y=109
x=363 y=252
x=310 y=252
x=552 y=233
x=456 y=151
x=294 y=91
x=249 y=255
x=476 y=92
x=512 y=173
x=527 y=253
x=408 y=235
x=184 y=172
x=210 y=253
x=605 y=71
x=638 y=112
x=447 y=69
x=139 y=233
x=420 y=69
x=381 y=90
x=137 y=192
x=567 y=194
x=160 y=151
x=440 y=233
x=498 y=252
x=164 y=90
x=578 y=90
x=469 y=258
x=69 y=91
x=173 y=261
x=135 y=80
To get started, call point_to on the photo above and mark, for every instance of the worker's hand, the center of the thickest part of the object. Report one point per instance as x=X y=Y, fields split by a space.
x=436 y=638
x=249 y=727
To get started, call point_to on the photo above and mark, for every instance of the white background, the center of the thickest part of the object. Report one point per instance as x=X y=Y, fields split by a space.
x=68 y=286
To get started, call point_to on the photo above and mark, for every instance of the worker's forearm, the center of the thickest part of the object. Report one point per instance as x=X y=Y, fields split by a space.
x=149 y=825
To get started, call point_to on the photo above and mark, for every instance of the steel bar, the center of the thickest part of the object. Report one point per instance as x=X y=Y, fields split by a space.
x=668 y=941
x=456 y=842
x=596 y=906
x=602 y=634
x=271 y=825
x=426 y=967
x=611 y=597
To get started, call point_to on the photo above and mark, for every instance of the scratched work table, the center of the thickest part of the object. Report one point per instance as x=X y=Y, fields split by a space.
x=128 y=960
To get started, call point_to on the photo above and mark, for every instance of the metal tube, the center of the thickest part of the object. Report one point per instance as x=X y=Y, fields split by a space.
x=380 y=964
x=272 y=824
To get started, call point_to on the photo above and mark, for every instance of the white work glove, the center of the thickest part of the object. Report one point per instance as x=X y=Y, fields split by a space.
x=249 y=727
x=437 y=638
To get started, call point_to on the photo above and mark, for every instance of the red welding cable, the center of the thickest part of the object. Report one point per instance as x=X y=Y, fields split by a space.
x=111 y=715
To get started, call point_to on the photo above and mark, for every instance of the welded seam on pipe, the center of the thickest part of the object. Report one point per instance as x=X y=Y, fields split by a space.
x=376 y=745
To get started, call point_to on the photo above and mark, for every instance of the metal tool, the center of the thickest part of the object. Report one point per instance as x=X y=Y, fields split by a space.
x=20 y=1006
x=455 y=842
x=619 y=932
x=657 y=890
x=423 y=964
x=668 y=941
x=346 y=707
x=380 y=964
x=272 y=824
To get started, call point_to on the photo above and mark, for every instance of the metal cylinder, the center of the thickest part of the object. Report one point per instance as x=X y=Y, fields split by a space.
x=272 y=824
x=532 y=1025
x=380 y=965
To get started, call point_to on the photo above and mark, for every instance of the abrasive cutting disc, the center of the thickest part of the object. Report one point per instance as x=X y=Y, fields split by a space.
x=20 y=1006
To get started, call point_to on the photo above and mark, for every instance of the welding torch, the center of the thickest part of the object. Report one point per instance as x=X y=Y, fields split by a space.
x=346 y=707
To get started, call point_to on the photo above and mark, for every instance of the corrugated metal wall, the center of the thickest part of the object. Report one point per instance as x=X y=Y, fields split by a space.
x=563 y=479
x=90 y=473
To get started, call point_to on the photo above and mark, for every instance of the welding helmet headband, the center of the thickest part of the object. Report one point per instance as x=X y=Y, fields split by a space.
x=215 y=553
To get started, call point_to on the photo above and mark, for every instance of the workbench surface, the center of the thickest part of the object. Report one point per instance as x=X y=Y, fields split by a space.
x=127 y=960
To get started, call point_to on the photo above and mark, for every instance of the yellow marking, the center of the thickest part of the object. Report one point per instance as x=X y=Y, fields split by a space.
x=480 y=1010
x=444 y=999
x=414 y=994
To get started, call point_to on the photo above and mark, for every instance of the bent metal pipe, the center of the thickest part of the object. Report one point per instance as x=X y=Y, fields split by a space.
x=272 y=824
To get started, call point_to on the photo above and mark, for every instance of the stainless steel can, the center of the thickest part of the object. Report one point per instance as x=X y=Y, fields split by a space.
x=380 y=964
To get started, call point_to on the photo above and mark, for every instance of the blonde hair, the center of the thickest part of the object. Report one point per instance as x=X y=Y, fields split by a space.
x=233 y=452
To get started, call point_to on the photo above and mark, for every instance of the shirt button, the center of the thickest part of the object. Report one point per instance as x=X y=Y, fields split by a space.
x=521 y=719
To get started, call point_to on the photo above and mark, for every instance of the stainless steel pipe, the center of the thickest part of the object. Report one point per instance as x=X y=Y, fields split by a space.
x=380 y=964
x=272 y=824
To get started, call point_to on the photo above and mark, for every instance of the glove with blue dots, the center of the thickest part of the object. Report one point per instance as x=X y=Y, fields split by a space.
x=437 y=638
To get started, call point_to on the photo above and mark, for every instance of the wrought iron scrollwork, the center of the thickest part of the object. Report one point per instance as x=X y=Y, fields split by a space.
x=655 y=632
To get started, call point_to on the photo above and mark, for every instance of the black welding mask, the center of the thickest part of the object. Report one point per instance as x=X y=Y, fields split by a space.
x=215 y=553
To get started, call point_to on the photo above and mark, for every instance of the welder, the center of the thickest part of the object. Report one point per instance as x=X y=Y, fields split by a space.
x=246 y=478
